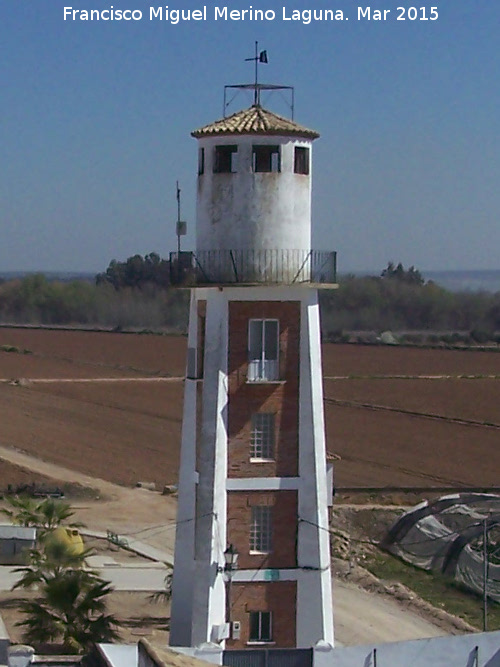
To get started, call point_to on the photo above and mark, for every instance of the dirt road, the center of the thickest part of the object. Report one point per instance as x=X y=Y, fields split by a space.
x=142 y=515
x=362 y=618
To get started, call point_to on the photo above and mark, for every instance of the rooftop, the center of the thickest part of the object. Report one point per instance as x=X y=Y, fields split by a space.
x=255 y=120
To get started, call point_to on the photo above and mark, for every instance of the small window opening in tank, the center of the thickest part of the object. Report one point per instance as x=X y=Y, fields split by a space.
x=266 y=159
x=225 y=159
x=301 y=160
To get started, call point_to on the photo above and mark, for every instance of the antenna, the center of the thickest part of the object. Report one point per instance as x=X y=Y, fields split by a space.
x=180 y=227
x=258 y=58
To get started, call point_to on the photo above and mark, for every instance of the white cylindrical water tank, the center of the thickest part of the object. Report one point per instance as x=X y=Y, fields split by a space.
x=254 y=197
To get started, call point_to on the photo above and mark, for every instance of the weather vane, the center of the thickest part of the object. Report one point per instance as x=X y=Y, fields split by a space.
x=258 y=58
x=256 y=87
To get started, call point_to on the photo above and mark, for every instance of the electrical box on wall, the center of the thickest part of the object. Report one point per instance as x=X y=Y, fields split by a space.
x=220 y=632
x=236 y=630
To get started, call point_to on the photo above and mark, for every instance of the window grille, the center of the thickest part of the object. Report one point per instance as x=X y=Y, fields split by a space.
x=261 y=529
x=262 y=436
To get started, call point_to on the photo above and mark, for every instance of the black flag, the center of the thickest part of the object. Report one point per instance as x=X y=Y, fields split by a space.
x=263 y=57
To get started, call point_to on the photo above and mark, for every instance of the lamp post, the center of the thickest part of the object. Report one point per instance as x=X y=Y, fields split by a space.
x=230 y=565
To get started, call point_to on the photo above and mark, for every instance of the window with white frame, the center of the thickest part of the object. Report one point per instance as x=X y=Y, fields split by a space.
x=261 y=626
x=262 y=436
x=261 y=529
x=263 y=350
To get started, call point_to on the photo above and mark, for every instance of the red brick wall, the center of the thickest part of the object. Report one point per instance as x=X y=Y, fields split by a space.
x=284 y=527
x=246 y=398
x=278 y=597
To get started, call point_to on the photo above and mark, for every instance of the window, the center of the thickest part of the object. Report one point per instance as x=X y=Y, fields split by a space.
x=260 y=626
x=301 y=160
x=260 y=529
x=263 y=348
x=225 y=159
x=262 y=436
x=201 y=161
x=266 y=158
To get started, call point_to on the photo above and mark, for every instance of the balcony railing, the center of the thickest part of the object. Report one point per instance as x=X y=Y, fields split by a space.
x=288 y=267
x=263 y=370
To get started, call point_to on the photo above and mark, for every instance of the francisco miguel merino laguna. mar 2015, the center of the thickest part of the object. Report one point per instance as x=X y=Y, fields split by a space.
x=305 y=16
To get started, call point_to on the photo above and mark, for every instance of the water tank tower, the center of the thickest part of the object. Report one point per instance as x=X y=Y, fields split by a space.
x=252 y=558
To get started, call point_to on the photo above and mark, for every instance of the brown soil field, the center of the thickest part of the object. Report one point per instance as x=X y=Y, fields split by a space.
x=473 y=400
x=130 y=431
x=394 y=360
x=17 y=476
x=63 y=353
x=123 y=432
x=380 y=449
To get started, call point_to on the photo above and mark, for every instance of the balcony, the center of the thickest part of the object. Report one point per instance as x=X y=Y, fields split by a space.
x=282 y=267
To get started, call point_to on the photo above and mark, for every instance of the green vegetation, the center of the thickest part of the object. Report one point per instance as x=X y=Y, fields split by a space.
x=37 y=300
x=14 y=349
x=70 y=608
x=400 y=300
x=45 y=515
x=136 y=294
x=441 y=592
x=164 y=596
x=137 y=271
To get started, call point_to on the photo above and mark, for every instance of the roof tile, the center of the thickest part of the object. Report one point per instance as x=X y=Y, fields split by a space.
x=254 y=120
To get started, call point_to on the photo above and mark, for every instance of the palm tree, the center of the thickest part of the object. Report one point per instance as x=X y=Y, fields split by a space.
x=71 y=610
x=71 y=605
x=45 y=515
x=166 y=594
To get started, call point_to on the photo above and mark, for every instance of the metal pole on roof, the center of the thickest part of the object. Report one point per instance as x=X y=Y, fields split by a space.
x=256 y=96
x=178 y=229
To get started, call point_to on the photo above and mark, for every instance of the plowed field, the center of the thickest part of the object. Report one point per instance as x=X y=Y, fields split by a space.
x=110 y=405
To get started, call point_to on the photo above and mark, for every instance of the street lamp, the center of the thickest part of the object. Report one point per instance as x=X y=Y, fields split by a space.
x=230 y=559
x=230 y=565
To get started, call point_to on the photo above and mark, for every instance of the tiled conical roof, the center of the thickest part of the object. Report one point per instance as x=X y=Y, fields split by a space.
x=255 y=120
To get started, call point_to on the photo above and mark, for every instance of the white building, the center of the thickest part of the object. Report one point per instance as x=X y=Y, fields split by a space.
x=253 y=463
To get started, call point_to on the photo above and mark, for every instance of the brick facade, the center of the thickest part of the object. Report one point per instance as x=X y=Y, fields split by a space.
x=280 y=398
x=284 y=527
x=278 y=597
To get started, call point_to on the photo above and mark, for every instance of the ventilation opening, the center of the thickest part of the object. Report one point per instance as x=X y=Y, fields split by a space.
x=225 y=159
x=301 y=160
x=201 y=161
x=266 y=159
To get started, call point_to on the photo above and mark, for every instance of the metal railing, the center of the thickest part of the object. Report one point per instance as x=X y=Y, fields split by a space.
x=288 y=267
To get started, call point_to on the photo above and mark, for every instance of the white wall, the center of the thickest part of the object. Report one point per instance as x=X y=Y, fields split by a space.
x=475 y=650
x=183 y=575
x=314 y=621
x=247 y=210
x=198 y=595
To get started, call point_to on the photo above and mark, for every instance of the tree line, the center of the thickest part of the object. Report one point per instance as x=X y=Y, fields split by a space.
x=401 y=300
x=137 y=294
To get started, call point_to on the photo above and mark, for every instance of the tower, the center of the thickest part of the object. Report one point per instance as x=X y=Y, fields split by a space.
x=253 y=463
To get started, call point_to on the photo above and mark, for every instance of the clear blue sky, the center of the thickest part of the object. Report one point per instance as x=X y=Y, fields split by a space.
x=96 y=120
